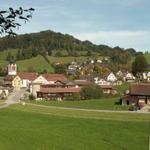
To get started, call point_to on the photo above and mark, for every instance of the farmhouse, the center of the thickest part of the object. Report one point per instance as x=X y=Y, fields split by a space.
x=56 y=93
x=108 y=89
x=139 y=94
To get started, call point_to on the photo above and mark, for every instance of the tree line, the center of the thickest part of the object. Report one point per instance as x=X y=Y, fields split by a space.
x=46 y=41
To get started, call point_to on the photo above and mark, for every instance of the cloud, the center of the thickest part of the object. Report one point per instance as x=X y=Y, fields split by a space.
x=126 y=39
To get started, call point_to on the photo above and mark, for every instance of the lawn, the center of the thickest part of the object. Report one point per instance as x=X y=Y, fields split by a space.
x=103 y=104
x=37 y=128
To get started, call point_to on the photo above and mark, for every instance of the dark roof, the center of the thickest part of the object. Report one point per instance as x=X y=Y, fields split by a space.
x=9 y=78
x=140 y=89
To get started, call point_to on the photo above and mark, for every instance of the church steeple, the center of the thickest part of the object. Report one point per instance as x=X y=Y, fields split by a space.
x=12 y=69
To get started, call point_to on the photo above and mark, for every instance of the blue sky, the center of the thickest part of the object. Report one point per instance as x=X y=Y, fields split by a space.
x=124 y=23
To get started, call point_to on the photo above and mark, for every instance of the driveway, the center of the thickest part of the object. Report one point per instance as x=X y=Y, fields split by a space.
x=14 y=97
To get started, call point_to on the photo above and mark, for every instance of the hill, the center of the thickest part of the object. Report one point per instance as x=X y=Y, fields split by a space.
x=41 y=50
x=50 y=40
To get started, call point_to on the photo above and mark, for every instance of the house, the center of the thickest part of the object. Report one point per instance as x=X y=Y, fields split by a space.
x=119 y=73
x=49 y=80
x=40 y=80
x=56 y=93
x=108 y=89
x=101 y=81
x=72 y=68
x=27 y=78
x=129 y=77
x=139 y=94
x=17 y=82
x=111 y=77
x=4 y=92
x=148 y=77
x=52 y=78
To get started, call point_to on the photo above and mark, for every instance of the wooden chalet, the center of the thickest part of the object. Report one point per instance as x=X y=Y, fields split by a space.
x=56 y=93
x=139 y=94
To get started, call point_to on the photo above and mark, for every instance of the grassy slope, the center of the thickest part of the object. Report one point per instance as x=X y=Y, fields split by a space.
x=28 y=127
x=103 y=104
x=38 y=63
x=147 y=56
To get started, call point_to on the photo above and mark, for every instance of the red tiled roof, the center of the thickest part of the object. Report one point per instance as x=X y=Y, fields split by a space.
x=9 y=78
x=27 y=75
x=60 y=90
x=55 y=77
x=140 y=89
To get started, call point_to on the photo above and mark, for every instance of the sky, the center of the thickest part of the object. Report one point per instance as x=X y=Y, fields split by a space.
x=124 y=23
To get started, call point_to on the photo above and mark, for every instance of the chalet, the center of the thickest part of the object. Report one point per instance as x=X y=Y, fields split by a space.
x=56 y=93
x=101 y=81
x=119 y=73
x=139 y=94
x=111 y=77
x=108 y=89
x=129 y=77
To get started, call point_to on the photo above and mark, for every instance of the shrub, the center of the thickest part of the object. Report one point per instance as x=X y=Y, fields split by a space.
x=31 y=97
x=91 y=92
x=76 y=96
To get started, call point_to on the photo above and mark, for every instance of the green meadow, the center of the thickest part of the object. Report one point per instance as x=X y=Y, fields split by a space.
x=101 y=104
x=42 y=128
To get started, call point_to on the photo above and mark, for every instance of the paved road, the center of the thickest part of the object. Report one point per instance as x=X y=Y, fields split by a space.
x=82 y=109
x=14 y=97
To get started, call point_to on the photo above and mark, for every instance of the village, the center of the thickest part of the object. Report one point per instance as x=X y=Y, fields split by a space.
x=59 y=87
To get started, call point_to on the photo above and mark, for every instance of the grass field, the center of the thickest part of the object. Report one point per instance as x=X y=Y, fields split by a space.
x=37 y=63
x=103 y=104
x=37 y=128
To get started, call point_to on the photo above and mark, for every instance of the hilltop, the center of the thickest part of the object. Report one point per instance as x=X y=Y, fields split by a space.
x=40 y=50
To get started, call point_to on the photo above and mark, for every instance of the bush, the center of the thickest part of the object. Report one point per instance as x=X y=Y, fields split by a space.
x=91 y=92
x=31 y=97
x=76 y=96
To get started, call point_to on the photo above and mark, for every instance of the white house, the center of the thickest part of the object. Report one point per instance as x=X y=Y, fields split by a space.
x=40 y=80
x=148 y=76
x=27 y=78
x=101 y=81
x=119 y=73
x=129 y=77
x=111 y=77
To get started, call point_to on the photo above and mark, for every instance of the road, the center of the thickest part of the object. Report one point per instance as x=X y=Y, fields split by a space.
x=14 y=97
x=90 y=110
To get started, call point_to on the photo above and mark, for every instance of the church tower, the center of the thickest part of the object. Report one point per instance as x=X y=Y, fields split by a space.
x=12 y=69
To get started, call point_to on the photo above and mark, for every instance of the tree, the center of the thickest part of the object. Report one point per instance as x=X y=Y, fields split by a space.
x=8 y=19
x=139 y=65
x=91 y=92
x=61 y=68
